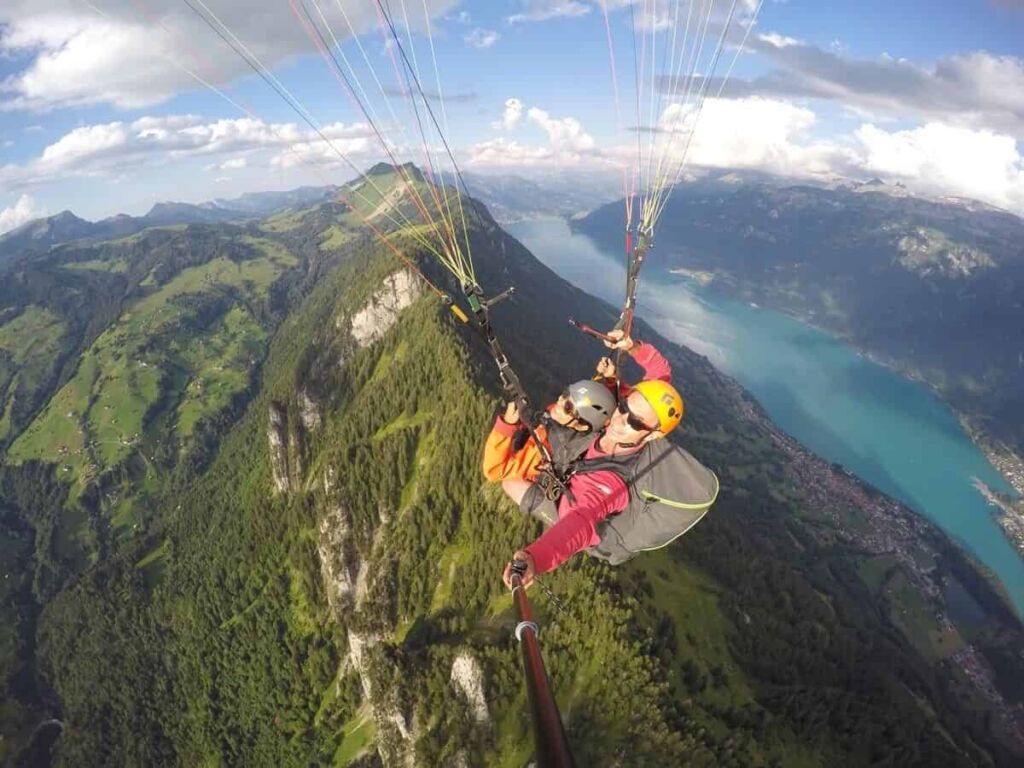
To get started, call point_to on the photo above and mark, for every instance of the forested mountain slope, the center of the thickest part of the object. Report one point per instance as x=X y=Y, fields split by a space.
x=935 y=288
x=311 y=574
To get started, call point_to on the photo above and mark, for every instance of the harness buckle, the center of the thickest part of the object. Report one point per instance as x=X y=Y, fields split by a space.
x=555 y=486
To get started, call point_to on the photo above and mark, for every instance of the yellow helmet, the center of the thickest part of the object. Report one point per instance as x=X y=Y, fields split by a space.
x=666 y=402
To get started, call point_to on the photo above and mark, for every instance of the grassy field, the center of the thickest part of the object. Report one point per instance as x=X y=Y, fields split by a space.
x=916 y=620
x=272 y=250
x=335 y=237
x=456 y=555
x=424 y=457
x=29 y=348
x=910 y=614
x=388 y=359
x=690 y=601
x=219 y=367
x=359 y=733
x=304 y=620
x=284 y=222
x=175 y=357
x=404 y=420
x=389 y=202
x=874 y=571
x=156 y=554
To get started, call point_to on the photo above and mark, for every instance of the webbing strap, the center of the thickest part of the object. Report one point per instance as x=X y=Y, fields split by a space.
x=510 y=380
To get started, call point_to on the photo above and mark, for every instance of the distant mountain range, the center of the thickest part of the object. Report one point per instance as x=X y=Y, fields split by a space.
x=932 y=286
x=512 y=197
x=509 y=197
x=64 y=227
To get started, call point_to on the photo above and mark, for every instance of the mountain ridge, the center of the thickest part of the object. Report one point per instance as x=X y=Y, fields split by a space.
x=41 y=234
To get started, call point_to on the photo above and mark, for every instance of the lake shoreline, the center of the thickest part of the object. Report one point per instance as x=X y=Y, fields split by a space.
x=1003 y=459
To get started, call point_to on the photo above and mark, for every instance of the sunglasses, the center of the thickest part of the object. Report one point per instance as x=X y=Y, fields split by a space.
x=635 y=422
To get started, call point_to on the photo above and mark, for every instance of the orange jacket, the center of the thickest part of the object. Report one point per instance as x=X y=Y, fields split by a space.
x=501 y=462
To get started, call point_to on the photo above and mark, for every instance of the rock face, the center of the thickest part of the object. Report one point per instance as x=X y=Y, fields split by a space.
x=309 y=411
x=382 y=311
x=277 y=435
x=469 y=678
x=286 y=449
x=338 y=559
x=929 y=253
x=346 y=576
x=296 y=466
x=359 y=644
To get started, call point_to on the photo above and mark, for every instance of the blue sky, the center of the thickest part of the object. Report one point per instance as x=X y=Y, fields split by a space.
x=96 y=114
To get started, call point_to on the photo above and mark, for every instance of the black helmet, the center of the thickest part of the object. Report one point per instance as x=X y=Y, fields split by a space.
x=591 y=402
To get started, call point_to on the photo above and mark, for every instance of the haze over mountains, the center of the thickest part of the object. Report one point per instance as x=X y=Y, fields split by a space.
x=508 y=196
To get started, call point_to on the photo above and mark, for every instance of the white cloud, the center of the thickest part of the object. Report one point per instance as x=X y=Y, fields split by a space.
x=118 y=146
x=543 y=10
x=775 y=136
x=568 y=142
x=755 y=133
x=777 y=40
x=233 y=164
x=91 y=141
x=318 y=154
x=564 y=133
x=948 y=160
x=132 y=59
x=664 y=14
x=511 y=116
x=503 y=152
x=974 y=90
x=25 y=209
x=481 y=38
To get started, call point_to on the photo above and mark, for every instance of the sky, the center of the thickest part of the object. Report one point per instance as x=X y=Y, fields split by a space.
x=110 y=106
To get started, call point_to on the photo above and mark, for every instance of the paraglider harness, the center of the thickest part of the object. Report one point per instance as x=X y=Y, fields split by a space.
x=670 y=491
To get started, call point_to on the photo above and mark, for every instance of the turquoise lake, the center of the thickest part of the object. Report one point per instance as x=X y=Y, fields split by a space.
x=892 y=432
